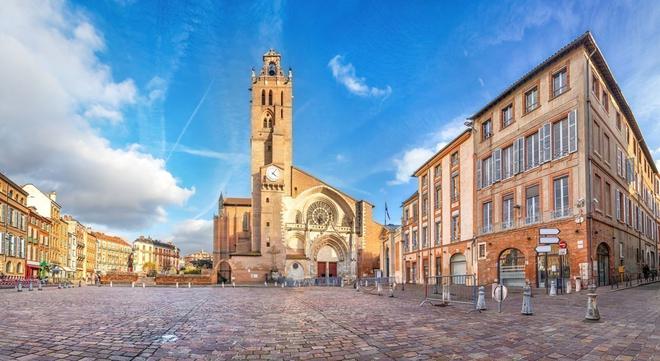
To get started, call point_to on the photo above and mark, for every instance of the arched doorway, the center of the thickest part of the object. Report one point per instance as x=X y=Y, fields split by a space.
x=603 y=254
x=458 y=268
x=326 y=262
x=511 y=267
x=224 y=273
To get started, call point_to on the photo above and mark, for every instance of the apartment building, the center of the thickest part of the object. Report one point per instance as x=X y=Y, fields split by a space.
x=437 y=225
x=13 y=227
x=162 y=256
x=112 y=254
x=560 y=151
x=38 y=242
x=554 y=183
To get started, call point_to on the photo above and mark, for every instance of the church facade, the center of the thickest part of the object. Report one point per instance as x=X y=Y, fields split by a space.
x=294 y=224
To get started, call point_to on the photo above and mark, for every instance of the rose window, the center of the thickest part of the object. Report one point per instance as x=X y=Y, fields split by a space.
x=320 y=213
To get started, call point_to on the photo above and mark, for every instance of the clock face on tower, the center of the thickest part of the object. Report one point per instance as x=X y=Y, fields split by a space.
x=273 y=173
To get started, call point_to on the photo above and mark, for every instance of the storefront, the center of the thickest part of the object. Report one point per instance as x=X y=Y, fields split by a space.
x=553 y=267
x=32 y=269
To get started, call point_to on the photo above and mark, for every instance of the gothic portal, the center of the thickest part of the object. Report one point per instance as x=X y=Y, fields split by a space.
x=293 y=225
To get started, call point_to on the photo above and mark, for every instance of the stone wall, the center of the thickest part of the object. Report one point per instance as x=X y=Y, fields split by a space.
x=184 y=279
x=118 y=277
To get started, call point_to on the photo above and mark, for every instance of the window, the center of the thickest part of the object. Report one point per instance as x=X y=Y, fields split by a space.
x=415 y=211
x=618 y=121
x=437 y=171
x=606 y=102
x=425 y=204
x=455 y=232
x=562 y=207
x=414 y=240
x=606 y=147
x=564 y=136
x=596 y=138
x=282 y=98
x=532 y=147
x=407 y=214
x=532 y=205
x=438 y=230
x=559 y=82
x=607 y=199
x=531 y=99
x=438 y=197
x=454 y=188
x=507 y=116
x=424 y=180
x=486 y=129
x=454 y=159
x=487 y=217
x=481 y=250
x=507 y=162
x=270 y=97
x=507 y=211
x=595 y=85
x=424 y=238
x=597 y=196
x=486 y=171
x=263 y=97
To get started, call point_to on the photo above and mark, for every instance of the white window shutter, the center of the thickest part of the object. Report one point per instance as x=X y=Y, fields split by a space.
x=572 y=131
x=478 y=173
x=515 y=166
x=617 y=200
x=497 y=164
x=547 y=143
x=521 y=154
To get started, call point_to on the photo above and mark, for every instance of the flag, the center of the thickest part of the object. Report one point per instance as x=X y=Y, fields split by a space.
x=387 y=213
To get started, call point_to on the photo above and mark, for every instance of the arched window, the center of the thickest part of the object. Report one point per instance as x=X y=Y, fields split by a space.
x=458 y=268
x=270 y=97
x=19 y=268
x=282 y=97
x=246 y=222
x=512 y=268
x=263 y=97
x=265 y=123
x=8 y=267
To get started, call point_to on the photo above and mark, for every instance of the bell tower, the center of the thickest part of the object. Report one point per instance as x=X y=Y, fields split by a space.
x=271 y=154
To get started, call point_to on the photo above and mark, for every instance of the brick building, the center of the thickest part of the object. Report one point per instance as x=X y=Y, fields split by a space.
x=13 y=227
x=112 y=253
x=557 y=150
x=163 y=255
x=437 y=226
x=38 y=242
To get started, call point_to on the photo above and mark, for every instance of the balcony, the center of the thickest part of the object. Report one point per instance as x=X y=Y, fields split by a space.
x=562 y=213
x=527 y=221
x=488 y=228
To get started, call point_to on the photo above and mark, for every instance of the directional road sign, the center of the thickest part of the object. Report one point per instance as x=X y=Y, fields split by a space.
x=549 y=231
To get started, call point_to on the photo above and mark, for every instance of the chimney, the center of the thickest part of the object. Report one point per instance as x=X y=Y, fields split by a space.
x=53 y=196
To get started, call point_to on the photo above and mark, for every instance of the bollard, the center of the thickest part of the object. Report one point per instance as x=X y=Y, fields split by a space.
x=380 y=289
x=578 y=285
x=527 y=300
x=481 y=299
x=341 y=283
x=177 y=285
x=79 y=283
x=133 y=284
x=553 y=288
x=110 y=283
x=357 y=286
x=283 y=284
x=39 y=287
x=19 y=286
x=592 y=307
x=30 y=289
x=188 y=284
x=568 y=287
x=59 y=286
x=276 y=284
x=392 y=287
x=223 y=285
x=266 y=283
x=233 y=284
x=143 y=285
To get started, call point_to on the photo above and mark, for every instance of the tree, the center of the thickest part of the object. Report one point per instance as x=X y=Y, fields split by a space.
x=202 y=263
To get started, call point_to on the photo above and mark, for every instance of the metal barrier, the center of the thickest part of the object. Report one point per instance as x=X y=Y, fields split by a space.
x=307 y=282
x=629 y=279
x=450 y=289
x=374 y=285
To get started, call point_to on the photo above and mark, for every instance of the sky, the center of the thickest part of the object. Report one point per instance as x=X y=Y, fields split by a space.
x=136 y=112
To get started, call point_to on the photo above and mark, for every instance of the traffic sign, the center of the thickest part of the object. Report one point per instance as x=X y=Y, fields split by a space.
x=562 y=244
x=499 y=293
x=562 y=251
x=549 y=231
x=543 y=249
x=549 y=240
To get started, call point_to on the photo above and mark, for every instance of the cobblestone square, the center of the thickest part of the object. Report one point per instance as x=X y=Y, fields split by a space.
x=122 y=323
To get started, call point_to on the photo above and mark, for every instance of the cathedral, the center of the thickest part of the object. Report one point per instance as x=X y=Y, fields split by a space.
x=294 y=225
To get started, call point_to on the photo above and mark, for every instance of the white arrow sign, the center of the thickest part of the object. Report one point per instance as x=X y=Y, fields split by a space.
x=549 y=231
x=543 y=249
x=549 y=240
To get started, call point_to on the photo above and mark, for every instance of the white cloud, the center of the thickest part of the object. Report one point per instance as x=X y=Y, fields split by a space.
x=52 y=82
x=193 y=235
x=345 y=75
x=410 y=160
x=238 y=158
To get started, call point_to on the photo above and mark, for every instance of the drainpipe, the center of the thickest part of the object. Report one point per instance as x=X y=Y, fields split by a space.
x=587 y=156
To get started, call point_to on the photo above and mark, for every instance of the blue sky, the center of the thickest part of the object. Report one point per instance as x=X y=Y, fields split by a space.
x=136 y=112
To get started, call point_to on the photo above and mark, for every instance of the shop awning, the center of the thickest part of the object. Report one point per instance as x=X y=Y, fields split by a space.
x=33 y=264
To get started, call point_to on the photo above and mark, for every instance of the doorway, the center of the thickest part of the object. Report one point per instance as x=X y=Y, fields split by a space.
x=326 y=269
x=603 y=254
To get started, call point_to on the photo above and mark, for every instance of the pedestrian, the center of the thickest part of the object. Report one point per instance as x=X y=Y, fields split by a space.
x=646 y=271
